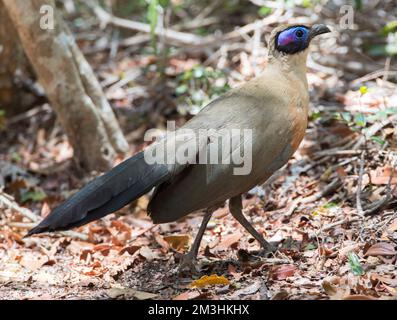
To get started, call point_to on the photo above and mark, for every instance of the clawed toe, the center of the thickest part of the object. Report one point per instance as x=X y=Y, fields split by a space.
x=188 y=262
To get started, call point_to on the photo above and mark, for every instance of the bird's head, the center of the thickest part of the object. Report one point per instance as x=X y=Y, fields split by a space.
x=291 y=42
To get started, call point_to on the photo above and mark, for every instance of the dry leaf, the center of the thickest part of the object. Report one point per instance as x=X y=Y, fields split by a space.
x=178 y=242
x=282 y=272
x=391 y=290
x=130 y=249
x=335 y=293
x=213 y=279
x=381 y=249
x=147 y=253
x=187 y=295
x=228 y=241
x=33 y=263
x=358 y=297
x=382 y=176
x=116 y=292
x=392 y=227
x=383 y=279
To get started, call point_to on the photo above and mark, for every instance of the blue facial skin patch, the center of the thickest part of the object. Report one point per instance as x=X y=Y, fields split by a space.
x=293 y=40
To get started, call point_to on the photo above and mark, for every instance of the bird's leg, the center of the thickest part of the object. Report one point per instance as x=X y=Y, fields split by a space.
x=236 y=209
x=189 y=258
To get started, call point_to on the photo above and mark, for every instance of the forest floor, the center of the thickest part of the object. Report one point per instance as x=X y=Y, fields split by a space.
x=331 y=210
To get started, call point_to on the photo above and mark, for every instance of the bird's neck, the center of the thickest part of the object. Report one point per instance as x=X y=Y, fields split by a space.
x=291 y=65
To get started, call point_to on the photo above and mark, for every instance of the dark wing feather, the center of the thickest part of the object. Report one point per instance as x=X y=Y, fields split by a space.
x=105 y=194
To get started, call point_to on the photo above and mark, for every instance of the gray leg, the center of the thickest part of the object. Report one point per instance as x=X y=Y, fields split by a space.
x=236 y=209
x=190 y=257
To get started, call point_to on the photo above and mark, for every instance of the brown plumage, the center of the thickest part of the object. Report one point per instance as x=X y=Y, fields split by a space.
x=274 y=106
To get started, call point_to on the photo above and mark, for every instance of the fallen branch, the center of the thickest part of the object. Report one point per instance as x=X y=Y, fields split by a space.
x=338 y=223
x=182 y=37
x=359 y=185
x=8 y=202
x=335 y=184
x=374 y=129
x=169 y=34
x=373 y=207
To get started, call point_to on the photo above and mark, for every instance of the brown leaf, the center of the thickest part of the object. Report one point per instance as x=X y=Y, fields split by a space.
x=334 y=292
x=147 y=253
x=32 y=262
x=178 y=242
x=45 y=210
x=358 y=297
x=120 y=226
x=382 y=176
x=381 y=249
x=130 y=249
x=389 y=281
x=391 y=290
x=160 y=240
x=187 y=295
x=282 y=272
x=392 y=227
x=116 y=292
x=104 y=249
x=228 y=241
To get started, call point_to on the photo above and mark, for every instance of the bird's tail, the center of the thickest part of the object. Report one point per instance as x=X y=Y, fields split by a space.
x=105 y=194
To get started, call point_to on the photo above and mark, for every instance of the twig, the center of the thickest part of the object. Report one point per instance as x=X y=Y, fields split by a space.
x=359 y=185
x=336 y=152
x=107 y=18
x=374 y=129
x=335 y=184
x=338 y=223
x=183 y=37
x=69 y=233
x=8 y=202
x=373 y=207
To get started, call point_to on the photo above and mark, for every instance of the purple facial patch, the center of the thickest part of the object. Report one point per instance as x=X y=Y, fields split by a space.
x=296 y=36
x=286 y=37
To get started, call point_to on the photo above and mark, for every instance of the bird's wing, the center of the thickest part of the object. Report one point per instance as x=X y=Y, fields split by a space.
x=113 y=190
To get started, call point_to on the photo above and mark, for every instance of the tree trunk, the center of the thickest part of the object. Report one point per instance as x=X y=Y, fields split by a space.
x=13 y=98
x=70 y=85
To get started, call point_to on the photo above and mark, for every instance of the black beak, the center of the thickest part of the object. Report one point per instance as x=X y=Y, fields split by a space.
x=318 y=29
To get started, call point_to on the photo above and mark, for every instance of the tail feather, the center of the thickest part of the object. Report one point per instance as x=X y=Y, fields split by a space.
x=105 y=194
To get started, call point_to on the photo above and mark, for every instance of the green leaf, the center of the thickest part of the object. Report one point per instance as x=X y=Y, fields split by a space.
x=33 y=195
x=378 y=140
x=152 y=15
x=355 y=265
x=164 y=3
x=358 y=4
x=315 y=115
x=360 y=120
x=330 y=205
x=310 y=246
x=198 y=72
x=181 y=89
x=389 y=28
x=264 y=11
x=346 y=116
x=307 y=4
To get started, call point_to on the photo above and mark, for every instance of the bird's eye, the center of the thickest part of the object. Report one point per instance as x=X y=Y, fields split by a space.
x=299 y=33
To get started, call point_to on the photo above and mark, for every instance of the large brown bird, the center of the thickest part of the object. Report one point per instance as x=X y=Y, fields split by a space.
x=272 y=107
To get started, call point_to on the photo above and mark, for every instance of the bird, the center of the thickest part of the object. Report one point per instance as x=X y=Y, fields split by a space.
x=273 y=107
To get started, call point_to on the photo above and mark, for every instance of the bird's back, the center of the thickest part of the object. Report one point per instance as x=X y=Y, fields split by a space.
x=269 y=110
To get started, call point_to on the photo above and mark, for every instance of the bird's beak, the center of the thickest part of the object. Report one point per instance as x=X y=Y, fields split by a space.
x=318 y=29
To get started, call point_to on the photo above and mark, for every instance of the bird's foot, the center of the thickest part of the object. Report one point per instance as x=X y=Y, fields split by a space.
x=267 y=250
x=188 y=261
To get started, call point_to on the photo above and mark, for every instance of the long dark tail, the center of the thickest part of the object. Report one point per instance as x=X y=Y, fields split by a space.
x=105 y=194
